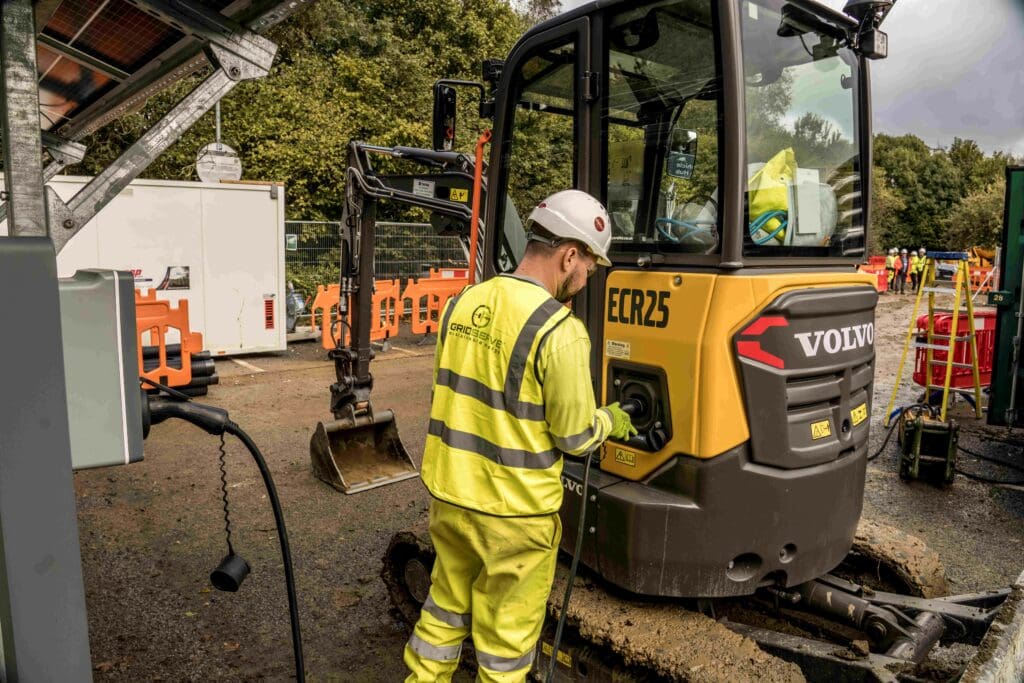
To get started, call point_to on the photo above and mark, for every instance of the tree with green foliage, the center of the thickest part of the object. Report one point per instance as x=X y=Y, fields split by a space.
x=927 y=182
x=977 y=220
x=886 y=206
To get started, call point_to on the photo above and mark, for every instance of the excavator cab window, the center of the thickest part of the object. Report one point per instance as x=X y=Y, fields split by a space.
x=540 y=154
x=663 y=96
x=803 y=195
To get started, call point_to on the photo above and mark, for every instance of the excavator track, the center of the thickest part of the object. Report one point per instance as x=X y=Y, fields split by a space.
x=889 y=559
x=615 y=636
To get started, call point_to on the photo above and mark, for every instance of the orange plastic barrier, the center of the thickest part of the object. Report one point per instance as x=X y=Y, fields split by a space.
x=325 y=310
x=428 y=296
x=388 y=307
x=156 y=318
x=882 y=283
x=386 y=304
x=980 y=280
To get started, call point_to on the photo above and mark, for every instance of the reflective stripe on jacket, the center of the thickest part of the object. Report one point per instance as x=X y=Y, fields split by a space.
x=512 y=392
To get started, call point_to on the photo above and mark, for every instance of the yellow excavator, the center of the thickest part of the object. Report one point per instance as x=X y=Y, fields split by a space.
x=731 y=142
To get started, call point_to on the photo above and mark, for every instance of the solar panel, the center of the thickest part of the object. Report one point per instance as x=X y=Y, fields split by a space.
x=65 y=86
x=88 y=48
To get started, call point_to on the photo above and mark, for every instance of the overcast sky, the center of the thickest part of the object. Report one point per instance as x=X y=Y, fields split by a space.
x=955 y=69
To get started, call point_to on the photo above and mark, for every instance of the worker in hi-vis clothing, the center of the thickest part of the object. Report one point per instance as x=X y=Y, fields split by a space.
x=512 y=394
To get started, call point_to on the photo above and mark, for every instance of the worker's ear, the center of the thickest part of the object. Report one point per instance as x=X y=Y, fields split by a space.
x=569 y=256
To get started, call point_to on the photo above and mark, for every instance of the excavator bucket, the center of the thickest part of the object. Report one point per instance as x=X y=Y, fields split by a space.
x=354 y=455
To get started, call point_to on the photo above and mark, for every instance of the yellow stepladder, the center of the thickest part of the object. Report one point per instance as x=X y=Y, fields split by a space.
x=961 y=288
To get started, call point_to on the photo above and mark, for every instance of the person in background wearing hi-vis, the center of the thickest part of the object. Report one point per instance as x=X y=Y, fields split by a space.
x=915 y=271
x=512 y=394
x=902 y=266
x=890 y=268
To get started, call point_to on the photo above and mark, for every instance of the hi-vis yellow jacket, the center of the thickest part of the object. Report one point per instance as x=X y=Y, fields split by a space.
x=512 y=393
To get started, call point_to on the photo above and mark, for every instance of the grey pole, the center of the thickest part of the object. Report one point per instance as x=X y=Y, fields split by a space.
x=43 y=624
x=23 y=155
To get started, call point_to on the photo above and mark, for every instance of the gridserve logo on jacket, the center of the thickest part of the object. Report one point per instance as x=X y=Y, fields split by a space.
x=476 y=332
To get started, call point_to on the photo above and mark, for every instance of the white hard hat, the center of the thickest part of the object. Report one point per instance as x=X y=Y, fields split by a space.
x=894 y=250
x=903 y=251
x=575 y=215
x=921 y=250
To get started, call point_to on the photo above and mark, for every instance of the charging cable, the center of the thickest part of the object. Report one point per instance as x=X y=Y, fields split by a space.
x=630 y=407
x=233 y=569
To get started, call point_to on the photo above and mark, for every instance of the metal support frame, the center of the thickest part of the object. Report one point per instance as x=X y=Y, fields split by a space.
x=63 y=153
x=43 y=622
x=212 y=27
x=23 y=173
x=238 y=54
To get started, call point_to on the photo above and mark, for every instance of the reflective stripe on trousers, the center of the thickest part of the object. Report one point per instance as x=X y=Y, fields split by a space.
x=491 y=575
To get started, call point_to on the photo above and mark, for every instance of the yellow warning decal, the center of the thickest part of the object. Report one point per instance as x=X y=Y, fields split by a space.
x=456 y=194
x=625 y=457
x=563 y=657
x=819 y=430
x=859 y=414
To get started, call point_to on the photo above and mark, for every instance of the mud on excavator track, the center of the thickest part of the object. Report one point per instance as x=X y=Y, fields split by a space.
x=616 y=636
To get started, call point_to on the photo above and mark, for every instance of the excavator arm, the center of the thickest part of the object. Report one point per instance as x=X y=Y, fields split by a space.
x=360 y=449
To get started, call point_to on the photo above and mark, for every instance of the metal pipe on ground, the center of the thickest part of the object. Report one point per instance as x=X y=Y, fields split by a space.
x=172 y=350
x=201 y=367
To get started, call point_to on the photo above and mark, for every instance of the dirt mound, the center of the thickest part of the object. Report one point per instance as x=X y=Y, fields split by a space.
x=668 y=639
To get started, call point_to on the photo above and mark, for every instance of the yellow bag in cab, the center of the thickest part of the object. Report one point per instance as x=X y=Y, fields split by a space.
x=769 y=191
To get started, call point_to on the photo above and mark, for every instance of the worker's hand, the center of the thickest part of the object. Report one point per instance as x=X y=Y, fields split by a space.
x=622 y=426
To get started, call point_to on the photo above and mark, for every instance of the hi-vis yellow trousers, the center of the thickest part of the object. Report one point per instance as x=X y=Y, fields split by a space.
x=492 y=577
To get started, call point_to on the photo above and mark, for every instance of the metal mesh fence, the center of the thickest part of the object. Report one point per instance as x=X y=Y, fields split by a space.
x=407 y=250
x=402 y=250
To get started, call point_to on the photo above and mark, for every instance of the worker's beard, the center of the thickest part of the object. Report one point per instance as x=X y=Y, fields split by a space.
x=564 y=293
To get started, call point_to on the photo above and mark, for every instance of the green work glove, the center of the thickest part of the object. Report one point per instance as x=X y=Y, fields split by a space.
x=622 y=426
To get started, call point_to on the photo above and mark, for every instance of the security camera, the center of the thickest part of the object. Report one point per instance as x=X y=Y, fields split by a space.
x=869 y=41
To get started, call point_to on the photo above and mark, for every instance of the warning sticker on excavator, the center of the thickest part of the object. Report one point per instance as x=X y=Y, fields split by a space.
x=625 y=457
x=423 y=188
x=458 y=194
x=616 y=349
x=859 y=414
x=819 y=430
x=564 y=658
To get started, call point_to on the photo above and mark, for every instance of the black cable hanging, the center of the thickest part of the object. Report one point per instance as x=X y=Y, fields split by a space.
x=224 y=495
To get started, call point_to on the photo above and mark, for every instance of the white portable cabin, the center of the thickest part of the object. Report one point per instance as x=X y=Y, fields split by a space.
x=218 y=245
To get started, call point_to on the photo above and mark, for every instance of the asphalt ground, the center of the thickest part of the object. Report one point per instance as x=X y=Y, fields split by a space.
x=152 y=532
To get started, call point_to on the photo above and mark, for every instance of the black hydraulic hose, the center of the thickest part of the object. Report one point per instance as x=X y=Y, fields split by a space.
x=572 y=571
x=282 y=536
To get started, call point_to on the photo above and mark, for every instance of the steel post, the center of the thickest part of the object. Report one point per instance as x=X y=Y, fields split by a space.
x=23 y=164
x=43 y=624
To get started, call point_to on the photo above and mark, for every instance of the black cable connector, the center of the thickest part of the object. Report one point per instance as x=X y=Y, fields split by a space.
x=216 y=421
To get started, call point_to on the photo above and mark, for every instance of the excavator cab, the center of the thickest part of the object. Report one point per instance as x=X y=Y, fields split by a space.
x=730 y=142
